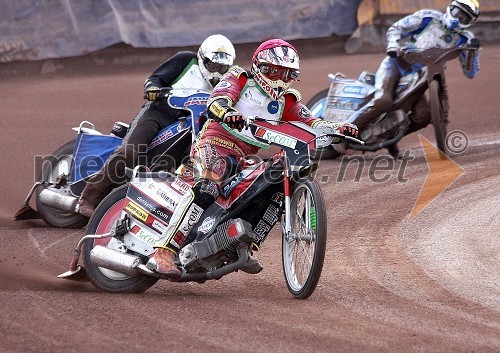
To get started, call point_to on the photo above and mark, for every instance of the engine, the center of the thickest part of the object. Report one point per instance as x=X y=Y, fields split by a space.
x=221 y=245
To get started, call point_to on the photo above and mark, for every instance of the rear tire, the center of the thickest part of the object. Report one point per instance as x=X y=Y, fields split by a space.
x=57 y=164
x=303 y=252
x=437 y=116
x=101 y=221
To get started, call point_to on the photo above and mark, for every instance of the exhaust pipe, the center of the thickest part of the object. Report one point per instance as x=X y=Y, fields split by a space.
x=115 y=260
x=58 y=201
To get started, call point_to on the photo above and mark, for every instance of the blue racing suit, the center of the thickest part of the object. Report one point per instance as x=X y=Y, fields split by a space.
x=419 y=31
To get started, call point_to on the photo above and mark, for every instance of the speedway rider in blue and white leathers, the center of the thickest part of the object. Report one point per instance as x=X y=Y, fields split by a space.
x=424 y=29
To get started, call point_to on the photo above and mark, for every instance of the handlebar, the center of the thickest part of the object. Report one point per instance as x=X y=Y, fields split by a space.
x=251 y=119
x=165 y=92
x=434 y=55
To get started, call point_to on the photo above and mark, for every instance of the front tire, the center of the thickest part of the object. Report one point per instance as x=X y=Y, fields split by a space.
x=437 y=116
x=57 y=164
x=317 y=103
x=101 y=222
x=303 y=251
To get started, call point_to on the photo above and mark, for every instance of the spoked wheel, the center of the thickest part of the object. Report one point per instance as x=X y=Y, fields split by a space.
x=438 y=117
x=57 y=164
x=304 y=248
x=109 y=210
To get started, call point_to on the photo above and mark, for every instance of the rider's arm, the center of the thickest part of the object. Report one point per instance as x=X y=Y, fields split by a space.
x=408 y=26
x=167 y=72
x=226 y=93
x=295 y=110
x=469 y=59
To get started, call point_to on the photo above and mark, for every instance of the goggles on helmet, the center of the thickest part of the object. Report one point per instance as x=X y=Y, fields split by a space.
x=279 y=73
x=459 y=14
x=215 y=67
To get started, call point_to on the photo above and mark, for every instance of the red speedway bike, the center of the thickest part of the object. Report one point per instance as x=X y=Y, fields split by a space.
x=259 y=194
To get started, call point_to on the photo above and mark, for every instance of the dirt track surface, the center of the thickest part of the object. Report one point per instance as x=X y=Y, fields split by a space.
x=390 y=283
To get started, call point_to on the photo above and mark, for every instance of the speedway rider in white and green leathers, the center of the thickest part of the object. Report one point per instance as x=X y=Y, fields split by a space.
x=201 y=70
x=424 y=29
x=263 y=91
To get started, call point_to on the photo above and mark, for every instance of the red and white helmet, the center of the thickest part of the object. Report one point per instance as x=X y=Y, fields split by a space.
x=275 y=64
x=215 y=56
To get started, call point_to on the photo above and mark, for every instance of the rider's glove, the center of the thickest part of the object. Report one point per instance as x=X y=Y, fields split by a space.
x=234 y=120
x=394 y=52
x=152 y=93
x=475 y=43
x=348 y=129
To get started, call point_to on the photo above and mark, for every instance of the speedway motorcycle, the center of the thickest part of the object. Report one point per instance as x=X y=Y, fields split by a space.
x=258 y=194
x=64 y=173
x=427 y=76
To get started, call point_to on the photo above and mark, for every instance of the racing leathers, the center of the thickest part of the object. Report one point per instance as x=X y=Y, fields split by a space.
x=419 y=31
x=217 y=142
x=180 y=71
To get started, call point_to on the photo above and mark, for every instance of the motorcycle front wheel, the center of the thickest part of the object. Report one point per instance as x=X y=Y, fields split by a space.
x=437 y=116
x=109 y=210
x=303 y=250
x=57 y=164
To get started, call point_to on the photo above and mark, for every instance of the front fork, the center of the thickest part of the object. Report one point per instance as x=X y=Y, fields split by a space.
x=287 y=186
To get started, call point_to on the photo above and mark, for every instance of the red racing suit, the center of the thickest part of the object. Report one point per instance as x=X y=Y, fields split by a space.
x=238 y=91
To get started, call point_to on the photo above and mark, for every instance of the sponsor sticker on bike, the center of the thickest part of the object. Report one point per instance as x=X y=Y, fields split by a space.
x=158 y=226
x=149 y=205
x=162 y=194
x=145 y=236
x=206 y=225
x=180 y=186
x=276 y=137
x=136 y=211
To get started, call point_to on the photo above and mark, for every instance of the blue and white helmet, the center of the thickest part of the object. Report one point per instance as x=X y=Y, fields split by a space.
x=460 y=14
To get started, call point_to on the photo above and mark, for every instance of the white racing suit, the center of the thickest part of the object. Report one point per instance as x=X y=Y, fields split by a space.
x=419 y=31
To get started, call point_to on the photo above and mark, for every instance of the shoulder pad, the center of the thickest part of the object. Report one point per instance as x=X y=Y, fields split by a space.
x=429 y=13
x=238 y=71
x=295 y=93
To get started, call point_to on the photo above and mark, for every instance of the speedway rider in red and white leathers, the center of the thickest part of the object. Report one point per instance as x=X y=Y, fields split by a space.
x=264 y=91
x=424 y=29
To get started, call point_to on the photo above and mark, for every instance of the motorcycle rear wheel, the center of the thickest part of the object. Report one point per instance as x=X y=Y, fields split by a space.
x=303 y=251
x=437 y=116
x=57 y=164
x=101 y=221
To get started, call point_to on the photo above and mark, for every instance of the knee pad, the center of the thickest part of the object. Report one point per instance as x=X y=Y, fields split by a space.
x=205 y=191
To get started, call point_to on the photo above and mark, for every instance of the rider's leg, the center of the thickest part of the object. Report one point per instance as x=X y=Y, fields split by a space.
x=420 y=116
x=386 y=79
x=144 y=127
x=187 y=213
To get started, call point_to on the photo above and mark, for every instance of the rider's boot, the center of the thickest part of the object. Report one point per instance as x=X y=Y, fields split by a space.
x=85 y=208
x=111 y=175
x=186 y=215
x=163 y=262
x=252 y=266
x=393 y=151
